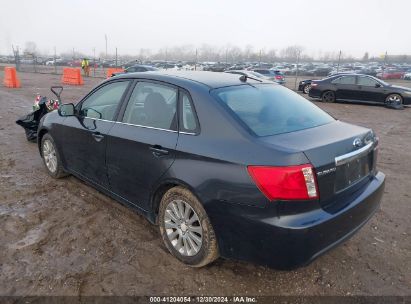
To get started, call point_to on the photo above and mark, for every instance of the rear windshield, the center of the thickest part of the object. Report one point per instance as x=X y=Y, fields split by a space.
x=267 y=109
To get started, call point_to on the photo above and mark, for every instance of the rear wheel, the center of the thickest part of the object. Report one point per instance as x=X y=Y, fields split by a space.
x=394 y=100
x=306 y=88
x=186 y=229
x=328 y=96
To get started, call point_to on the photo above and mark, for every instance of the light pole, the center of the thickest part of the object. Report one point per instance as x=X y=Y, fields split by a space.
x=105 y=36
x=339 y=58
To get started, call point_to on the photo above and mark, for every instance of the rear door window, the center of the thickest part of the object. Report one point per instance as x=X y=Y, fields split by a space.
x=366 y=81
x=269 y=110
x=345 y=80
x=152 y=105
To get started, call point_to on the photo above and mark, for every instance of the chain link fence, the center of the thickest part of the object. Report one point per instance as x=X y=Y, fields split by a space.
x=295 y=70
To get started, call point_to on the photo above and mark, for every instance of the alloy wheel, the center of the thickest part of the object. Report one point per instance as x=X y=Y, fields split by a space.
x=183 y=228
x=49 y=155
x=307 y=88
x=329 y=96
x=394 y=99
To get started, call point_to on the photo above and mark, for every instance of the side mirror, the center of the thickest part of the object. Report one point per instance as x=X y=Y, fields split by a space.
x=378 y=85
x=66 y=110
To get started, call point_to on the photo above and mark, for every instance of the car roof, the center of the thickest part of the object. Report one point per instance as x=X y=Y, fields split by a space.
x=212 y=80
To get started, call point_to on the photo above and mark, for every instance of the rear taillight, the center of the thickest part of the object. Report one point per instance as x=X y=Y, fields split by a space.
x=285 y=183
x=278 y=77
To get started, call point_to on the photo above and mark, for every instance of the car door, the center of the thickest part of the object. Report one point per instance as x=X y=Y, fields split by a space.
x=141 y=145
x=84 y=140
x=345 y=87
x=370 y=89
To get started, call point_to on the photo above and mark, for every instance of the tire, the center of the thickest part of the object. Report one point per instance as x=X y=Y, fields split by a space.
x=328 y=96
x=51 y=157
x=306 y=88
x=182 y=237
x=394 y=100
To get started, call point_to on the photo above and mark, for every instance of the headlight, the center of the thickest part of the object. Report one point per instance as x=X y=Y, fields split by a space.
x=302 y=82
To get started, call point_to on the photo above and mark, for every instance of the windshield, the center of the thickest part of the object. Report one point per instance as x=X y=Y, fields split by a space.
x=266 y=109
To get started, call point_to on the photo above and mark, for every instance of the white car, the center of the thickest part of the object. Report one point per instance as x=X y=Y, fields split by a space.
x=407 y=76
x=51 y=62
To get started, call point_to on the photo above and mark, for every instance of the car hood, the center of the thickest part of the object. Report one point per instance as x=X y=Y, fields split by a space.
x=400 y=88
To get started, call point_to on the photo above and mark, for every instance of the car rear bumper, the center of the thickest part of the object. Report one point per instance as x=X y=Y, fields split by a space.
x=263 y=236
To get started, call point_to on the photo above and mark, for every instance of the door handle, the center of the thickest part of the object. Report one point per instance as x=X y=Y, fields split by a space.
x=97 y=136
x=158 y=150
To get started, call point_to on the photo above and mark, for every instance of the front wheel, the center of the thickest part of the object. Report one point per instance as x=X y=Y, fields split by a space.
x=328 y=96
x=186 y=229
x=394 y=100
x=51 y=157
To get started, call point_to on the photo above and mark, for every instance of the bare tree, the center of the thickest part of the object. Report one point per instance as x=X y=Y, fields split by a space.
x=291 y=52
x=30 y=48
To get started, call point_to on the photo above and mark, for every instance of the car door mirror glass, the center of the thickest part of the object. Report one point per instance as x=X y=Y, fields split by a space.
x=378 y=85
x=66 y=110
x=91 y=113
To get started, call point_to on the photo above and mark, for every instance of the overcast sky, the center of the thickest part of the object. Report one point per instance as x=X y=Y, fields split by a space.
x=354 y=26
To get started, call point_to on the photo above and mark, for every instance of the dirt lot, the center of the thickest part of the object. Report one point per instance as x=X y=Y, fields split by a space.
x=64 y=238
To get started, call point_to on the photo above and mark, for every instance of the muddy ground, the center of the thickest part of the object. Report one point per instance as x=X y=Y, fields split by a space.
x=65 y=238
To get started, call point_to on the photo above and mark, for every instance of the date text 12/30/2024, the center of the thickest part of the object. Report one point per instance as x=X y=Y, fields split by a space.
x=203 y=299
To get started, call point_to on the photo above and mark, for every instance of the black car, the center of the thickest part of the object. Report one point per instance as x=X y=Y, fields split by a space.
x=356 y=87
x=305 y=85
x=225 y=165
x=136 y=68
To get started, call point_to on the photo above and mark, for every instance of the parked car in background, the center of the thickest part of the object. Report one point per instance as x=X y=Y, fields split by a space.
x=136 y=68
x=273 y=75
x=224 y=165
x=305 y=85
x=319 y=71
x=53 y=62
x=356 y=87
x=236 y=67
x=218 y=67
x=131 y=63
x=407 y=76
x=368 y=71
x=390 y=74
x=4 y=60
x=74 y=63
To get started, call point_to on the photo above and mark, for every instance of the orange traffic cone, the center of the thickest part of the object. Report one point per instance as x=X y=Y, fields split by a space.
x=10 y=78
x=72 y=76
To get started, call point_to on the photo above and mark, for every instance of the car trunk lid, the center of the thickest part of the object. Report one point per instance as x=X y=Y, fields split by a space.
x=342 y=154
